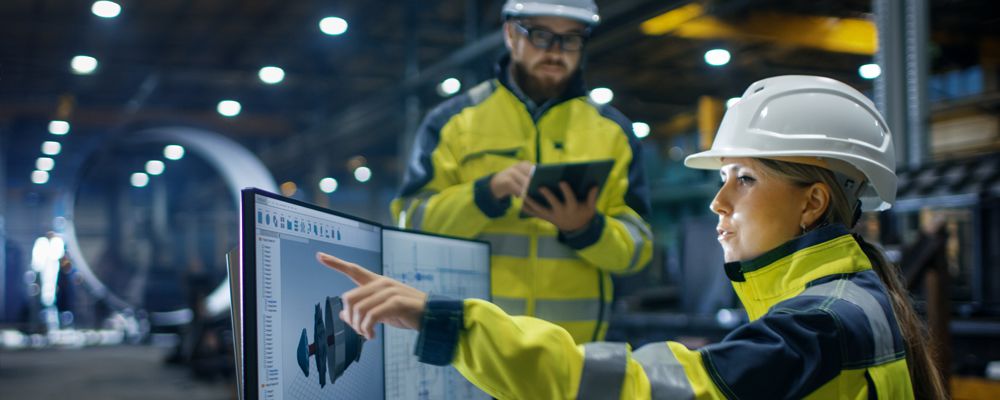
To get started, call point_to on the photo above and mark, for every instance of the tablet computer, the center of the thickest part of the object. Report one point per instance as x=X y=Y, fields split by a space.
x=294 y=344
x=581 y=177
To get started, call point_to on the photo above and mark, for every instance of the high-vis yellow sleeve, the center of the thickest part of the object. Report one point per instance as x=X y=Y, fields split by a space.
x=434 y=198
x=528 y=358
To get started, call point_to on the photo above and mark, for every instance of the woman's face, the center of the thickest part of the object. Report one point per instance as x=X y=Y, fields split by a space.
x=757 y=212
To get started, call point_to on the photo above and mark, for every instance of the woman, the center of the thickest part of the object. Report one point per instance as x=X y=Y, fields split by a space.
x=799 y=157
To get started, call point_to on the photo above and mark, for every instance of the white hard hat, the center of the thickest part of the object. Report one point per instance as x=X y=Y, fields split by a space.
x=584 y=11
x=810 y=117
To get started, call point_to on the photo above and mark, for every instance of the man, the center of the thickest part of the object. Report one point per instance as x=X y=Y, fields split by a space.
x=473 y=157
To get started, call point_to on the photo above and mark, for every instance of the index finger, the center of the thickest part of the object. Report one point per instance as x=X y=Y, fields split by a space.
x=592 y=198
x=568 y=194
x=354 y=271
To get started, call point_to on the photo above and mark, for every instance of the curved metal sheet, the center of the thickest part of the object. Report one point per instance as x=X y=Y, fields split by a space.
x=238 y=167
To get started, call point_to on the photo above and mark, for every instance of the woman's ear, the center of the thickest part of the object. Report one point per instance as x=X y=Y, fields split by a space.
x=817 y=201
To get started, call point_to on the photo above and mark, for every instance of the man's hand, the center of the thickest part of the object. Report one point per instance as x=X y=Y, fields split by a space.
x=377 y=299
x=568 y=216
x=512 y=181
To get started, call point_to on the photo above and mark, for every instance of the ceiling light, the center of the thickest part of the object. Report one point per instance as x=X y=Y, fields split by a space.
x=271 y=75
x=44 y=164
x=289 y=188
x=83 y=65
x=362 y=174
x=229 y=108
x=449 y=87
x=732 y=102
x=602 y=95
x=641 y=129
x=328 y=185
x=39 y=177
x=57 y=127
x=333 y=26
x=139 y=179
x=106 y=9
x=155 y=167
x=717 y=57
x=173 y=152
x=870 y=71
x=51 y=148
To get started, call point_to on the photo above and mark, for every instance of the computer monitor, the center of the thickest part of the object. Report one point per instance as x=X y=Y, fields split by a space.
x=436 y=264
x=295 y=346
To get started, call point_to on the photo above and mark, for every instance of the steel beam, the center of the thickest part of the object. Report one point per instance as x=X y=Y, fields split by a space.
x=917 y=117
x=842 y=35
x=901 y=89
x=890 y=85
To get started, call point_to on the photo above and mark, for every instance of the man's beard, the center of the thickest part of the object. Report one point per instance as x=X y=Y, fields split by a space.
x=540 y=89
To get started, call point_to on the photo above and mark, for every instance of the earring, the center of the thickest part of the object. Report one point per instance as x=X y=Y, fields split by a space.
x=802 y=226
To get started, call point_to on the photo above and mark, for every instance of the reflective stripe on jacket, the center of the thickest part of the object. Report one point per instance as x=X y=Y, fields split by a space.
x=821 y=326
x=536 y=271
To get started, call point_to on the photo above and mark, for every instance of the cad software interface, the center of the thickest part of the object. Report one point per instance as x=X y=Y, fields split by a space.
x=304 y=350
x=433 y=264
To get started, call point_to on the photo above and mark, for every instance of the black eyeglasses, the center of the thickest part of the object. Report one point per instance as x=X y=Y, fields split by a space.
x=543 y=39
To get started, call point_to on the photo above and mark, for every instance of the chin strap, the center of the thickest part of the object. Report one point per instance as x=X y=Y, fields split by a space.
x=857 y=214
x=852 y=190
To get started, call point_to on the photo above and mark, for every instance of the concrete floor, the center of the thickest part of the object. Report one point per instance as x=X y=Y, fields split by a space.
x=107 y=373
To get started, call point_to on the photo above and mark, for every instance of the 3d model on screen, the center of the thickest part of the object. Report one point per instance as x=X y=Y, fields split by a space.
x=333 y=341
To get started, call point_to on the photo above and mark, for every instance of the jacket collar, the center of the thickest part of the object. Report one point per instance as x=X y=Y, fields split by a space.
x=575 y=88
x=788 y=269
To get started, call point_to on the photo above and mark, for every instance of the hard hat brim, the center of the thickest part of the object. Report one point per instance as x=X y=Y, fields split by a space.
x=586 y=17
x=712 y=160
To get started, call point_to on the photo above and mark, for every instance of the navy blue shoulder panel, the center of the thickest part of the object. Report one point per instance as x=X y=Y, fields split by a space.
x=866 y=318
x=637 y=197
x=420 y=171
x=842 y=321
x=783 y=355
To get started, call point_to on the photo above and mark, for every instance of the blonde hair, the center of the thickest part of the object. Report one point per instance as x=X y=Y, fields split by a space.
x=924 y=375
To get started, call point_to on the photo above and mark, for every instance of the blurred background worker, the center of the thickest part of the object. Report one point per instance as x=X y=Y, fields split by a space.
x=45 y=261
x=472 y=162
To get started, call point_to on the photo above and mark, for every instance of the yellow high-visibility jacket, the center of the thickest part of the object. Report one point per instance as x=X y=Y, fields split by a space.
x=536 y=270
x=822 y=326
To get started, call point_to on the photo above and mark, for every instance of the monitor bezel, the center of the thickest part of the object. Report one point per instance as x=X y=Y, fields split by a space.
x=248 y=301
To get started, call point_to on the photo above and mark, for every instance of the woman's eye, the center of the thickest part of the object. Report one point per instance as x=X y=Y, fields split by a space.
x=745 y=179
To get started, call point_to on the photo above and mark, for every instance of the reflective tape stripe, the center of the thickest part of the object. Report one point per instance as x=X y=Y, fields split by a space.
x=508 y=245
x=570 y=310
x=565 y=310
x=877 y=320
x=511 y=245
x=480 y=92
x=639 y=232
x=667 y=379
x=417 y=220
x=511 y=305
x=603 y=370
x=549 y=247
x=418 y=215
x=639 y=223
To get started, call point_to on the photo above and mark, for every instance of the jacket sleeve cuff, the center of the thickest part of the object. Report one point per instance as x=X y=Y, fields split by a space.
x=439 y=330
x=484 y=199
x=585 y=237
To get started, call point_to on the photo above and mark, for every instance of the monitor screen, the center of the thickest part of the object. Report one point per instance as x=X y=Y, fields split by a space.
x=302 y=348
x=434 y=264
